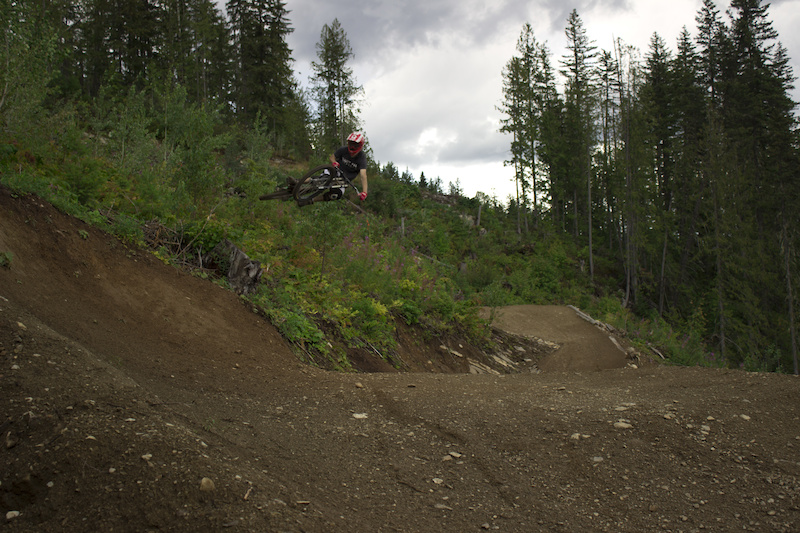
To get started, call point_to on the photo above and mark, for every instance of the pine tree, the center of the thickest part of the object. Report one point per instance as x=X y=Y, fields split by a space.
x=756 y=135
x=658 y=94
x=194 y=48
x=516 y=88
x=119 y=40
x=689 y=112
x=334 y=88
x=633 y=155
x=580 y=96
x=264 y=82
x=711 y=35
x=528 y=90
x=609 y=109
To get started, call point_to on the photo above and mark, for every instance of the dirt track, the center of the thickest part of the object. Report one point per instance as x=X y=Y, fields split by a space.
x=125 y=383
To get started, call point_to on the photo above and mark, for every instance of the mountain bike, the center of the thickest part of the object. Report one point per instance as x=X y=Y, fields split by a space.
x=325 y=180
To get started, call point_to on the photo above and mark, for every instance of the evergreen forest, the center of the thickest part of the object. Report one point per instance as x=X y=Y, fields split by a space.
x=656 y=189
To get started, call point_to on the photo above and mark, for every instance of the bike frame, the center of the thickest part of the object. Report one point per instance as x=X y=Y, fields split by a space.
x=318 y=181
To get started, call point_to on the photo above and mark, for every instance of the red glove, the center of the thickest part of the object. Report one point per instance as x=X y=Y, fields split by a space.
x=335 y=164
x=362 y=196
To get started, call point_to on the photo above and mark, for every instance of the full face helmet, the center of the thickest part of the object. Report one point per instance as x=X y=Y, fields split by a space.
x=355 y=142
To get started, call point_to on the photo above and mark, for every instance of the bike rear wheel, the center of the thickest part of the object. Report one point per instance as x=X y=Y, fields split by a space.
x=314 y=182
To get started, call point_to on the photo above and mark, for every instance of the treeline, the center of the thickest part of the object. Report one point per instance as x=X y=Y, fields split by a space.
x=681 y=168
x=237 y=63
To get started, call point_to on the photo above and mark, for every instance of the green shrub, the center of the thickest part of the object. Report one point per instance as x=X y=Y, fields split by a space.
x=5 y=259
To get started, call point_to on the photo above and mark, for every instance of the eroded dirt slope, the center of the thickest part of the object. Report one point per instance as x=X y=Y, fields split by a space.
x=125 y=383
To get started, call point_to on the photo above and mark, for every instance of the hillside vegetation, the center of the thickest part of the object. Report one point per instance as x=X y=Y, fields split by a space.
x=336 y=275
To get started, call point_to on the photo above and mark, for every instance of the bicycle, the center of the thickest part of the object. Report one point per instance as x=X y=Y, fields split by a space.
x=325 y=180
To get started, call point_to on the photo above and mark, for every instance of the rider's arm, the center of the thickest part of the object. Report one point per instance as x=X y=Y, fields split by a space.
x=333 y=161
x=363 y=175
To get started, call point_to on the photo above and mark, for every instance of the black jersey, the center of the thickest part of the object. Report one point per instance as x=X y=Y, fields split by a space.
x=350 y=165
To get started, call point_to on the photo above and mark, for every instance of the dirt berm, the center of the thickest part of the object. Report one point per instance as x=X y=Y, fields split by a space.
x=136 y=397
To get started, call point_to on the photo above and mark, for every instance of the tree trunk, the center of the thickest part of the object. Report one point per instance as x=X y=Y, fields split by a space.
x=661 y=282
x=720 y=285
x=787 y=252
x=589 y=210
x=242 y=272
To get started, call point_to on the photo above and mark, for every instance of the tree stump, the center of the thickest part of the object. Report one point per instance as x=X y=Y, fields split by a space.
x=242 y=272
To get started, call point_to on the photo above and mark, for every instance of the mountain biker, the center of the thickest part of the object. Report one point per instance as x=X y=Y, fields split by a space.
x=352 y=161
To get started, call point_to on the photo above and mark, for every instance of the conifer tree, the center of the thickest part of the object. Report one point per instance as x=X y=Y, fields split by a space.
x=516 y=88
x=334 y=88
x=580 y=98
x=689 y=111
x=757 y=127
x=119 y=40
x=528 y=89
x=194 y=48
x=263 y=80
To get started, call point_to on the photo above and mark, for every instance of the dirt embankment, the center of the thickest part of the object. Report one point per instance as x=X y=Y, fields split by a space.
x=139 y=398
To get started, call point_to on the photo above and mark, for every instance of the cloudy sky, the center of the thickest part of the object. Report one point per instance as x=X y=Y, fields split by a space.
x=432 y=69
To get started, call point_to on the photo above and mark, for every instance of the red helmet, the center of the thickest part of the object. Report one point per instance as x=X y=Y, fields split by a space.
x=355 y=142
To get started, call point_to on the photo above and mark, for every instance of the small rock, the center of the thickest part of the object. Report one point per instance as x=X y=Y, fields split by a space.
x=438 y=480
x=575 y=436
x=23 y=327
x=206 y=485
x=11 y=515
x=147 y=456
x=622 y=425
x=360 y=416
x=359 y=385
x=744 y=417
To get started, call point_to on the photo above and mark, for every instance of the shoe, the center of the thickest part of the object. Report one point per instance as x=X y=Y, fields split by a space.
x=307 y=201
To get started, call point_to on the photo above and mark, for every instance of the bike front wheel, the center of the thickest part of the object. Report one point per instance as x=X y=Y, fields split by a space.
x=314 y=182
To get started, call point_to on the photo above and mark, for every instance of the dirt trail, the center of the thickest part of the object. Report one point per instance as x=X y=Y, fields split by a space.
x=581 y=346
x=125 y=383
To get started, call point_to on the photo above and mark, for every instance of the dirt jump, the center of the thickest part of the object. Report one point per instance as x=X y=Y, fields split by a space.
x=137 y=397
